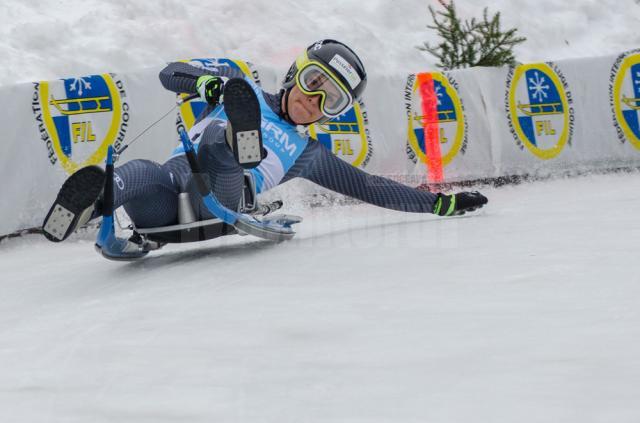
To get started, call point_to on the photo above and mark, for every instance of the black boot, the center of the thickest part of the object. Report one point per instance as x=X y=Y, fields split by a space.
x=244 y=133
x=458 y=204
x=76 y=203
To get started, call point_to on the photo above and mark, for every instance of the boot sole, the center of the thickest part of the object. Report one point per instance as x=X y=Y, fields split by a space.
x=77 y=194
x=244 y=119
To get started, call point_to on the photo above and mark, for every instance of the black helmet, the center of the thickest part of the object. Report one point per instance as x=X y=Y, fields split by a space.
x=329 y=68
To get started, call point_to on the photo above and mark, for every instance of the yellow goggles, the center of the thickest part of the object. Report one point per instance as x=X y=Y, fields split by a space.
x=314 y=78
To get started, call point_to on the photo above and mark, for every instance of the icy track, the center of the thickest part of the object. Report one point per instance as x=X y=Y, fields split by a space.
x=527 y=312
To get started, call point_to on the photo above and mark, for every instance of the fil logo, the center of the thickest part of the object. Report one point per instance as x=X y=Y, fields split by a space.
x=190 y=110
x=540 y=111
x=78 y=118
x=347 y=136
x=625 y=97
x=209 y=64
x=79 y=95
x=435 y=115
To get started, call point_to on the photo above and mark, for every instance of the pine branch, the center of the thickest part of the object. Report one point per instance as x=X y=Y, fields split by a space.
x=472 y=42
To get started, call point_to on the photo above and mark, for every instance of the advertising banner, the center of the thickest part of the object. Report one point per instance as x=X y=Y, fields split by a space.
x=534 y=119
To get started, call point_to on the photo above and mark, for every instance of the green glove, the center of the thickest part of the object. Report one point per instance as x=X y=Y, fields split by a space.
x=209 y=88
x=458 y=204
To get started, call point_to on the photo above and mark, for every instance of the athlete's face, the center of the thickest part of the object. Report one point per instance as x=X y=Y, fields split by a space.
x=303 y=109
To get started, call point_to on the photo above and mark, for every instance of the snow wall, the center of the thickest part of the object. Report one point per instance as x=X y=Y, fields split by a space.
x=533 y=119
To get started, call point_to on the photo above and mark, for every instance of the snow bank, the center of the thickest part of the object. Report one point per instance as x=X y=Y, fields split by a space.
x=47 y=40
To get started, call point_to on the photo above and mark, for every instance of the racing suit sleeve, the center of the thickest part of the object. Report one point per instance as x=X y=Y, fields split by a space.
x=181 y=77
x=319 y=165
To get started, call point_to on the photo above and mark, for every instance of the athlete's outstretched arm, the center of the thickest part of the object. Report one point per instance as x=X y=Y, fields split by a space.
x=319 y=165
x=181 y=77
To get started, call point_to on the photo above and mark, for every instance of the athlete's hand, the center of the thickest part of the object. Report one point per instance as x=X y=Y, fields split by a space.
x=209 y=88
x=458 y=204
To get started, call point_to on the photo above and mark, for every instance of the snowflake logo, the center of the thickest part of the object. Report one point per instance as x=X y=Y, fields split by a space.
x=212 y=64
x=79 y=84
x=439 y=94
x=539 y=87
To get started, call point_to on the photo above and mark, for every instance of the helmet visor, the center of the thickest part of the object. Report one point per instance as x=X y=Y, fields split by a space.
x=314 y=79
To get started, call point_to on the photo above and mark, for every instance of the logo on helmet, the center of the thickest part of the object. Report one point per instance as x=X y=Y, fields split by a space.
x=624 y=93
x=347 y=136
x=539 y=109
x=78 y=118
x=448 y=118
x=346 y=70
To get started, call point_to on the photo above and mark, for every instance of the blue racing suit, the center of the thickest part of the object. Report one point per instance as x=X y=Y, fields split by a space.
x=149 y=191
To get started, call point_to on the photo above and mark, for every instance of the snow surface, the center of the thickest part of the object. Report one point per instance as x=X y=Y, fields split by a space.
x=526 y=312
